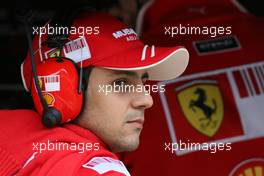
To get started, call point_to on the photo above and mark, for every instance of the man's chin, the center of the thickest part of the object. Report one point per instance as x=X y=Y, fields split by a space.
x=132 y=148
x=128 y=146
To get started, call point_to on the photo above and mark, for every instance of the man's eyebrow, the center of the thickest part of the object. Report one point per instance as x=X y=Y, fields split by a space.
x=128 y=73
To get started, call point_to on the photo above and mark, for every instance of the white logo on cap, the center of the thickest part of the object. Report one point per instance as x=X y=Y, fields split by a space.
x=77 y=50
x=124 y=32
x=143 y=55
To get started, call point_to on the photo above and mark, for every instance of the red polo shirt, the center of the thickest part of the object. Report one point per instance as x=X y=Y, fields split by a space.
x=28 y=148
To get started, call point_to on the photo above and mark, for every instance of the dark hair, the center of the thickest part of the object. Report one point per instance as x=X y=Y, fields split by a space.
x=85 y=81
x=86 y=75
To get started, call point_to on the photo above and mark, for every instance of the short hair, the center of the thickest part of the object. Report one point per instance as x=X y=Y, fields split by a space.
x=85 y=81
x=86 y=76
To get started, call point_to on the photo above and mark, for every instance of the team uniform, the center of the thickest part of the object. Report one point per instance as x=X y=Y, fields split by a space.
x=36 y=150
x=218 y=100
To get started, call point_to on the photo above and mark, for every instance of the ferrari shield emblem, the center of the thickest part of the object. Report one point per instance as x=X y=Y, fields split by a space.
x=202 y=105
x=53 y=53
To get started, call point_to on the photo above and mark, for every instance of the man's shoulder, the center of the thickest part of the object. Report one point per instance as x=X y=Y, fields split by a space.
x=67 y=150
x=101 y=162
x=17 y=111
x=16 y=128
x=18 y=117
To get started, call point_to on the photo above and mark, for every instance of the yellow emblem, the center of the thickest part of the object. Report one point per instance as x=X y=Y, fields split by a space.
x=54 y=53
x=40 y=83
x=203 y=107
x=49 y=99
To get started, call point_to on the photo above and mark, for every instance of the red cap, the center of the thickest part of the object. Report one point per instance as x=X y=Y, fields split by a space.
x=103 y=41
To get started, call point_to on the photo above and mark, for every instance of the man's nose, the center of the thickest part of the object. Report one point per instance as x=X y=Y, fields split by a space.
x=142 y=100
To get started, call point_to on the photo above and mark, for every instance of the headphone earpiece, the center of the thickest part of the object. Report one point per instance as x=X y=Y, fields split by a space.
x=59 y=83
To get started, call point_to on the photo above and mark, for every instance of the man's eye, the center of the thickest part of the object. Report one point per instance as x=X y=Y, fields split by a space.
x=120 y=82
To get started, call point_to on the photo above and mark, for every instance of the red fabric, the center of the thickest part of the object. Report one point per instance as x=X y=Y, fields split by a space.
x=21 y=128
x=164 y=11
x=242 y=120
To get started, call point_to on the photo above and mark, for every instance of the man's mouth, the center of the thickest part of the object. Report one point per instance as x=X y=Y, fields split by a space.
x=138 y=122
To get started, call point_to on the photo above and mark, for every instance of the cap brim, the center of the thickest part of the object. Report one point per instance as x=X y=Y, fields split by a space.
x=164 y=63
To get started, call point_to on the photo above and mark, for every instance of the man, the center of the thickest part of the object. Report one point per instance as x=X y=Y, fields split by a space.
x=113 y=105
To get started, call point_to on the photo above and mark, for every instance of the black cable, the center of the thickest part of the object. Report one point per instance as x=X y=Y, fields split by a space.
x=33 y=65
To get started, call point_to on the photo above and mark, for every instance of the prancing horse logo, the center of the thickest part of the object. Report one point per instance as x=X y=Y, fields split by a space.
x=202 y=105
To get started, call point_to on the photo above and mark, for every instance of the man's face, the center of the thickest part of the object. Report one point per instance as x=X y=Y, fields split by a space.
x=115 y=117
